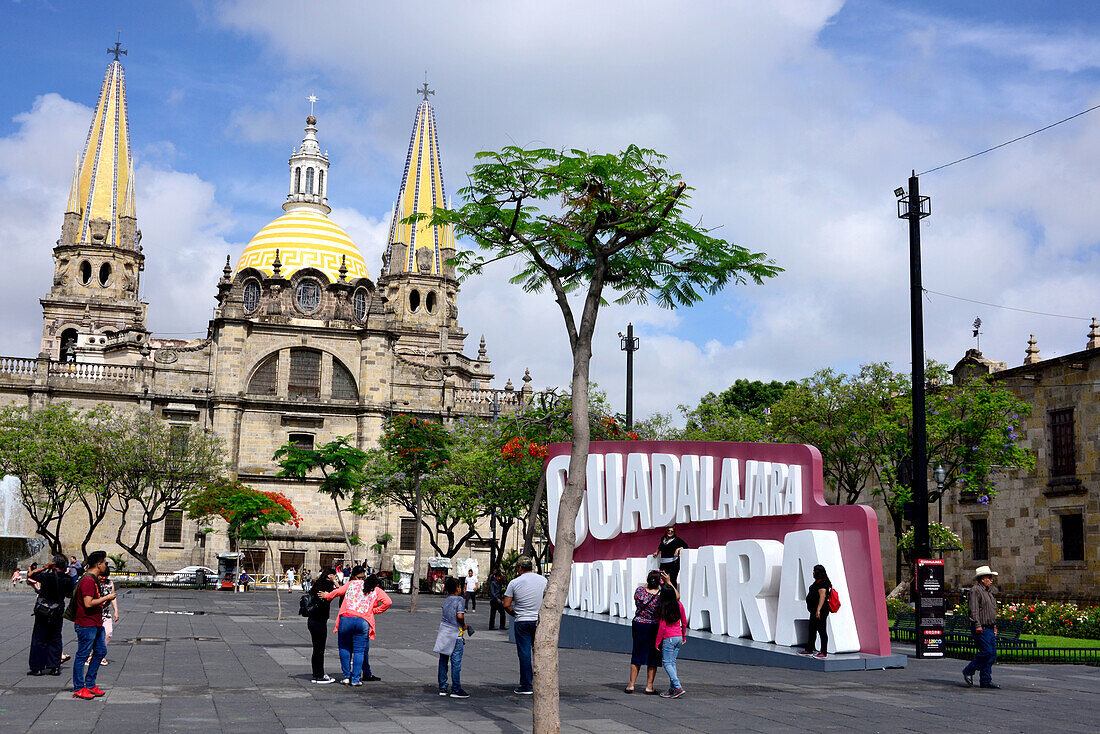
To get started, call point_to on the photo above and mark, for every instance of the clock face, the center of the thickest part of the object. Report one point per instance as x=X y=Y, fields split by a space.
x=308 y=295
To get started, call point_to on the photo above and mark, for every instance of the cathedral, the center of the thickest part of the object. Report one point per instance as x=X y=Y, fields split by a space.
x=303 y=346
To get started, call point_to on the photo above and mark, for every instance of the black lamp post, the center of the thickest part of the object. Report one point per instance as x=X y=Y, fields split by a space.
x=914 y=207
x=629 y=344
x=940 y=476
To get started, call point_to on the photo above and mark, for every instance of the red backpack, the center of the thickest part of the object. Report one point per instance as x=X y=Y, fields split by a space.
x=833 y=600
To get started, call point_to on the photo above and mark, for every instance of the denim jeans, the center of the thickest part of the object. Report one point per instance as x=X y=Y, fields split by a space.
x=525 y=639
x=670 y=648
x=90 y=645
x=455 y=659
x=987 y=655
x=353 y=643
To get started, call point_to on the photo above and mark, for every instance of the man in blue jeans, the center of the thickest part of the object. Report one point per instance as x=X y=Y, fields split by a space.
x=982 y=607
x=522 y=600
x=91 y=641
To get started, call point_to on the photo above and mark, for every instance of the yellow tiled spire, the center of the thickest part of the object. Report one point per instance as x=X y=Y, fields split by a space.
x=421 y=190
x=103 y=182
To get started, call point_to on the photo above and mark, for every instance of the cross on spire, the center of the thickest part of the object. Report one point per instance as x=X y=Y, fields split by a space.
x=424 y=91
x=311 y=99
x=117 y=50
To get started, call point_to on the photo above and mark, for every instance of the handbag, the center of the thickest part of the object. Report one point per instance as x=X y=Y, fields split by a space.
x=46 y=610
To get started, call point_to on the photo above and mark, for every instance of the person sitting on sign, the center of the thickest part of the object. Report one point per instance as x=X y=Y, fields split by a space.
x=668 y=550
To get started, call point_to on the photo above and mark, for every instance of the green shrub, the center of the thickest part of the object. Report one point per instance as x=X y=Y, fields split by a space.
x=1050 y=618
x=894 y=607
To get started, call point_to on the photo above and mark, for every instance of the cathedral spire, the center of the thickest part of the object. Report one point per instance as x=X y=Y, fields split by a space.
x=308 y=171
x=421 y=190
x=102 y=192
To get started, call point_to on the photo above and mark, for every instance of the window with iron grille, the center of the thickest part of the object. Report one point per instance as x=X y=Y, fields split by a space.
x=173 y=526
x=979 y=528
x=1073 y=537
x=302 y=440
x=308 y=295
x=408 y=533
x=251 y=296
x=305 y=374
x=343 y=384
x=1063 y=461
x=359 y=303
x=265 y=379
x=177 y=441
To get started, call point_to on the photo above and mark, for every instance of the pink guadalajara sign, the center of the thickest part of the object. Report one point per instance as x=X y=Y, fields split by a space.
x=718 y=494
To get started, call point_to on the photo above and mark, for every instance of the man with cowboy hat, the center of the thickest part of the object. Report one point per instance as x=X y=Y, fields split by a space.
x=983 y=619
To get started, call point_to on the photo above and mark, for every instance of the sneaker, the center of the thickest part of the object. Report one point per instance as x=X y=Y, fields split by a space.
x=324 y=681
x=104 y=661
x=357 y=683
x=442 y=691
x=969 y=679
x=372 y=678
x=459 y=693
x=673 y=693
x=84 y=693
x=805 y=652
x=679 y=692
x=523 y=691
x=97 y=691
x=345 y=682
x=820 y=656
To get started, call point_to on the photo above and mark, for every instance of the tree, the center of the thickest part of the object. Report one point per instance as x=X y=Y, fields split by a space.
x=580 y=223
x=48 y=451
x=743 y=397
x=341 y=467
x=836 y=412
x=158 y=468
x=415 y=448
x=247 y=512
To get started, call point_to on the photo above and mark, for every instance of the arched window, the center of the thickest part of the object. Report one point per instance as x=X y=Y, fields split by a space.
x=414 y=300
x=308 y=295
x=104 y=274
x=429 y=302
x=305 y=374
x=359 y=303
x=265 y=379
x=321 y=183
x=251 y=296
x=68 y=345
x=298 y=180
x=343 y=384
x=309 y=180
x=85 y=272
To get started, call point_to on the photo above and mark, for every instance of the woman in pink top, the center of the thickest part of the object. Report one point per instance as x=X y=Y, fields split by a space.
x=671 y=636
x=355 y=623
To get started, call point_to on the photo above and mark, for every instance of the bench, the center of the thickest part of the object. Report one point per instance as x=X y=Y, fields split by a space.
x=957 y=630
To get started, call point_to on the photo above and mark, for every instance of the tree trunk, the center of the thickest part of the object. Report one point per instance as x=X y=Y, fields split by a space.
x=545 y=713
x=343 y=529
x=415 y=588
x=533 y=516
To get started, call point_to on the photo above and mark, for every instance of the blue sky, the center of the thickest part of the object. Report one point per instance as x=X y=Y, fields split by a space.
x=793 y=121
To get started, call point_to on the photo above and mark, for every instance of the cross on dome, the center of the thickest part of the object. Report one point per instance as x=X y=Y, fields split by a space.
x=311 y=99
x=117 y=50
x=423 y=90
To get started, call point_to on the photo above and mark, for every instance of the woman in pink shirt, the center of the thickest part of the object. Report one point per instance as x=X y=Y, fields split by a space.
x=355 y=623
x=671 y=636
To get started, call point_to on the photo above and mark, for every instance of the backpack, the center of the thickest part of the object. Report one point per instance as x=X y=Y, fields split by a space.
x=70 y=610
x=833 y=600
x=307 y=605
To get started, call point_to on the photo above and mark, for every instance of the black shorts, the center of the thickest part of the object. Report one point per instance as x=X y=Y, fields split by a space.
x=645 y=650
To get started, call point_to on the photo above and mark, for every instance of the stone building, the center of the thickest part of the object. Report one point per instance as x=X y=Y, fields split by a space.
x=304 y=346
x=1042 y=530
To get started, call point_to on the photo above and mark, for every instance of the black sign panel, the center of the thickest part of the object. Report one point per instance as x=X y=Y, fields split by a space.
x=931 y=609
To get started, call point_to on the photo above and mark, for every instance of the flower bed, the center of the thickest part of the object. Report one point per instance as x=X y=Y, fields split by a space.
x=1051 y=618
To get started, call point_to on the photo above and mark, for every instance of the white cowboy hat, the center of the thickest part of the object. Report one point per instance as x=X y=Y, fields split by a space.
x=984 y=571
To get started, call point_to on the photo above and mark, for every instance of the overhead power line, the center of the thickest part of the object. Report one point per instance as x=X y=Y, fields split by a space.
x=1010 y=142
x=1009 y=308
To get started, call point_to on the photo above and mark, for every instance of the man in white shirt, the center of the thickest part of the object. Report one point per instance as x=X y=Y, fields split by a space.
x=522 y=600
x=471 y=590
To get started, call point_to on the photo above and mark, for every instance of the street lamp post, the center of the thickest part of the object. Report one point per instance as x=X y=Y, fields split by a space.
x=629 y=344
x=914 y=207
x=940 y=476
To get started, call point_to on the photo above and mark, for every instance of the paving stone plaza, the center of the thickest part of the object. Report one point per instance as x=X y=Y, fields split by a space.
x=233 y=668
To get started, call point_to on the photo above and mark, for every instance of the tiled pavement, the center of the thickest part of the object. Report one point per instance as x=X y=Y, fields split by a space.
x=236 y=669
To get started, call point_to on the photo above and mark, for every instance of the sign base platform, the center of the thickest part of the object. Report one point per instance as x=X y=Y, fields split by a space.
x=588 y=631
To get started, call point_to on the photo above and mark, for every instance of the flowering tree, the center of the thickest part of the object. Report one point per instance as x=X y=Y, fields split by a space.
x=247 y=512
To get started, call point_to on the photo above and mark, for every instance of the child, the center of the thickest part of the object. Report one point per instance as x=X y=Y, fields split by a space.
x=110 y=614
x=448 y=643
x=671 y=636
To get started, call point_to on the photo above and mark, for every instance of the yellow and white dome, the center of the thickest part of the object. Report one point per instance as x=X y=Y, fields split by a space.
x=304 y=238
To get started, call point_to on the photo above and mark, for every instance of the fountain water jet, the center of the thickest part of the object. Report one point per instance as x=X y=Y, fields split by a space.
x=18 y=543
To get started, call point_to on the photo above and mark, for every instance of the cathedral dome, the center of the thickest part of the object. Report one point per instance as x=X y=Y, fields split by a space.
x=304 y=238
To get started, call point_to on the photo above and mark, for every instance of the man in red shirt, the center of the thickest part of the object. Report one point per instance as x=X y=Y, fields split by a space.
x=91 y=641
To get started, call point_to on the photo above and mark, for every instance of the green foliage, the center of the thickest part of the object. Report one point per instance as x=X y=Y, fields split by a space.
x=339 y=463
x=894 y=607
x=742 y=398
x=508 y=563
x=118 y=561
x=1050 y=618
x=940 y=537
x=416 y=445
